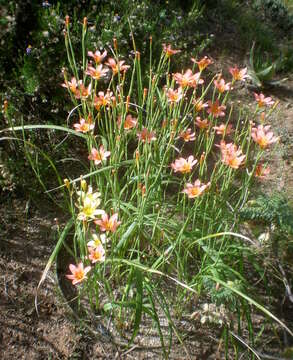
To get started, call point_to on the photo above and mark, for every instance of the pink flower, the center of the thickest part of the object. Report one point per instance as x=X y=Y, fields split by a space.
x=199 y=105
x=84 y=126
x=187 y=79
x=263 y=136
x=261 y=171
x=222 y=86
x=202 y=124
x=146 y=136
x=238 y=74
x=107 y=224
x=262 y=100
x=231 y=156
x=78 y=273
x=97 y=73
x=83 y=92
x=103 y=99
x=223 y=129
x=184 y=166
x=116 y=67
x=215 y=109
x=169 y=51
x=97 y=56
x=96 y=254
x=196 y=189
x=129 y=123
x=203 y=63
x=99 y=156
x=72 y=85
x=174 y=96
x=188 y=135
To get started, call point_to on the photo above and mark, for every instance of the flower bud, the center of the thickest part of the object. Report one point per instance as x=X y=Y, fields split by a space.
x=67 y=19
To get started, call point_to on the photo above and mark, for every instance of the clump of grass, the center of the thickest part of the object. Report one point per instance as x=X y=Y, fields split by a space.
x=169 y=168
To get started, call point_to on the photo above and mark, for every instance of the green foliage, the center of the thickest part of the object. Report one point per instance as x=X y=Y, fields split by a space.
x=274 y=209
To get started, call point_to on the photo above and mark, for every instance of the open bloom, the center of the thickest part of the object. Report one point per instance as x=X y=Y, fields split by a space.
x=203 y=63
x=97 y=72
x=88 y=205
x=262 y=100
x=97 y=241
x=83 y=92
x=263 y=136
x=215 y=109
x=223 y=129
x=146 y=136
x=199 y=105
x=188 y=135
x=108 y=224
x=116 y=67
x=222 y=86
x=202 y=124
x=184 y=165
x=72 y=85
x=174 y=96
x=188 y=79
x=231 y=156
x=261 y=171
x=103 y=99
x=238 y=74
x=84 y=126
x=99 y=155
x=97 y=56
x=97 y=254
x=78 y=273
x=129 y=122
x=196 y=189
x=169 y=51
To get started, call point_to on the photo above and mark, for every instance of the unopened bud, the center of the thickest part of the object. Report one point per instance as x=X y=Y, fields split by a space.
x=5 y=105
x=151 y=39
x=202 y=157
x=145 y=92
x=83 y=185
x=127 y=102
x=137 y=55
x=115 y=44
x=67 y=19
x=85 y=21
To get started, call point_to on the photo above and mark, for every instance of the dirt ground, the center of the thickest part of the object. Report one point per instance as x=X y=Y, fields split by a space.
x=27 y=241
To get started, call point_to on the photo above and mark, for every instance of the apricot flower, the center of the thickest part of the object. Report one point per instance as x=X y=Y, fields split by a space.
x=184 y=165
x=223 y=129
x=78 y=273
x=146 y=136
x=169 y=51
x=202 y=124
x=262 y=100
x=188 y=135
x=116 y=67
x=97 y=73
x=238 y=74
x=203 y=63
x=99 y=155
x=97 y=56
x=231 y=156
x=215 y=109
x=261 y=171
x=84 y=126
x=263 y=136
x=129 y=122
x=96 y=254
x=103 y=99
x=108 y=224
x=199 y=105
x=222 y=86
x=196 y=189
x=174 y=96
x=72 y=85
x=187 y=79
